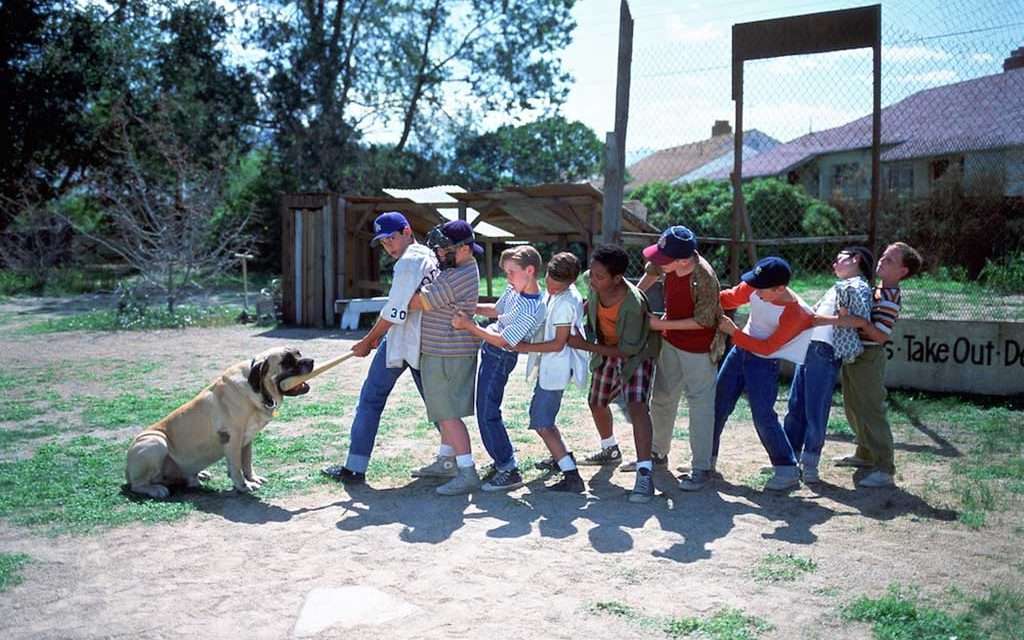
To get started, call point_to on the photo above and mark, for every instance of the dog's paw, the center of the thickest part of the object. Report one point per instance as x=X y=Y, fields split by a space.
x=247 y=486
x=203 y=476
x=258 y=480
x=157 y=491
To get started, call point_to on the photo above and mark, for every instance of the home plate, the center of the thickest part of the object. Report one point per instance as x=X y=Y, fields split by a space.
x=348 y=607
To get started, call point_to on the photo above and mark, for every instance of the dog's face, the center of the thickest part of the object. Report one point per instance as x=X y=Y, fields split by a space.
x=271 y=367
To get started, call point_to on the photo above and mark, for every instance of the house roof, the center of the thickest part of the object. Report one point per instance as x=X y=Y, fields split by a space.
x=669 y=164
x=973 y=115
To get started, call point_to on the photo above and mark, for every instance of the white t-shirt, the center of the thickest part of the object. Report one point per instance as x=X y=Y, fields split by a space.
x=764 y=320
x=417 y=266
x=558 y=369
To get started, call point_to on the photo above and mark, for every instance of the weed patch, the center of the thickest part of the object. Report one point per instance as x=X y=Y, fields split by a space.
x=726 y=624
x=10 y=569
x=777 y=567
x=110 y=320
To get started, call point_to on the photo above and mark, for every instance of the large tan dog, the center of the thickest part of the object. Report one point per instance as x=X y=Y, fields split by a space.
x=220 y=422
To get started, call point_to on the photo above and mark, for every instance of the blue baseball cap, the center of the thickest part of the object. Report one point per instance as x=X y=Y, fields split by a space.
x=675 y=243
x=460 y=232
x=768 y=272
x=386 y=224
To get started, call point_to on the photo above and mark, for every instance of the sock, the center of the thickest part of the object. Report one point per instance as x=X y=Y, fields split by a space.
x=464 y=460
x=566 y=463
x=645 y=464
x=445 y=451
x=609 y=442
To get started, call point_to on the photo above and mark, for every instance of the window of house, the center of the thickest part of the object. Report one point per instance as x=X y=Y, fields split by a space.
x=847 y=180
x=899 y=178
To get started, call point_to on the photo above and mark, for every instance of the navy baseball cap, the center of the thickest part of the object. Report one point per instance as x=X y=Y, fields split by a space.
x=386 y=224
x=675 y=243
x=768 y=272
x=460 y=232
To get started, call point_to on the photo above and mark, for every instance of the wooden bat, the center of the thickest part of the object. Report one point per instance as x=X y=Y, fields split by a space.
x=294 y=381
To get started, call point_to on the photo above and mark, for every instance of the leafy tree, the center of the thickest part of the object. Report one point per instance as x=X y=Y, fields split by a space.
x=334 y=70
x=546 y=150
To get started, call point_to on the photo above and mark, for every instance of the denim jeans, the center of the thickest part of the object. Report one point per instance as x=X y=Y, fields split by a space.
x=380 y=380
x=495 y=366
x=759 y=377
x=810 y=401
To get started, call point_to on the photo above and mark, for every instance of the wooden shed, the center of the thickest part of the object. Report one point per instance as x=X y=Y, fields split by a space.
x=326 y=253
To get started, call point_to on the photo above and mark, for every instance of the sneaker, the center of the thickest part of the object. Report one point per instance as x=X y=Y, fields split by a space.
x=810 y=475
x=877 y=479
x=850 y=461
x=504 y=481
x=489 y=472
x=695 y=480
x=344 y=475
x=659 y=462
x=643 y=489
x=548 y=465
x=783 y=481
x=442 y=467
x=607 y=455
x=465 y=481
x=571 y=482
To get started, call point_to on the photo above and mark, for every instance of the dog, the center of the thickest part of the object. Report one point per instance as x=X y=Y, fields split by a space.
x=220 y=422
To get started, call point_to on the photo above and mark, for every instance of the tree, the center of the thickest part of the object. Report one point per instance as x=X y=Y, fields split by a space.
x=546 y=150
x=335 y=69
x=163 y=207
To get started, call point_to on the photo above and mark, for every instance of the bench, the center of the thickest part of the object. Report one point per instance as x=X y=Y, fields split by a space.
x=351 y=308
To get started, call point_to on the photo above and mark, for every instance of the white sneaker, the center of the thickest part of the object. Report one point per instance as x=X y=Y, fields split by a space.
x=810 y=475
x=466 y=481
x=783 y=480
x=877 y=479
x=442 y=467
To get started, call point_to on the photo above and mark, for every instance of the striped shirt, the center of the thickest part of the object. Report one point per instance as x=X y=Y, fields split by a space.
x=519 y=315
x=885 y=309
x=455 y=289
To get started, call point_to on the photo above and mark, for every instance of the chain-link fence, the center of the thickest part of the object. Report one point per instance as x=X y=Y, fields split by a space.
x=951 y=150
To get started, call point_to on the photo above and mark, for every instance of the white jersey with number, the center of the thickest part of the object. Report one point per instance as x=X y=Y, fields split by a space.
x=416 y=267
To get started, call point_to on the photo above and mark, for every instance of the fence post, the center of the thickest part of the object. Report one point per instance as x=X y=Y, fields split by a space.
x=615 y=143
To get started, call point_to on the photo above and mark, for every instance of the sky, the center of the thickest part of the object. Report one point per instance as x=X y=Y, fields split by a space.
x=681 y=64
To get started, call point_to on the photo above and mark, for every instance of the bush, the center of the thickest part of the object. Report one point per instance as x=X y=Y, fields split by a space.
x=776 y=210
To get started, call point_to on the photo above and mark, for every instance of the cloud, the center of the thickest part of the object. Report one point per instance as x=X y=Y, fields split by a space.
x=680 y=31
x=928 y=78
x=982 y=57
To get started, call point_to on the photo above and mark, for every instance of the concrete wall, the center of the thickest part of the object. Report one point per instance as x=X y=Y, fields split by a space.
x=962 y=356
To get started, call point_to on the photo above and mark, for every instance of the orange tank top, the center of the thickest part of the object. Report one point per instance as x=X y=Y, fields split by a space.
x=607 y=317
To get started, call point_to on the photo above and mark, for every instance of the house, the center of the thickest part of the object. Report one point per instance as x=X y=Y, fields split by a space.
x=970 y=131
x=696 y=160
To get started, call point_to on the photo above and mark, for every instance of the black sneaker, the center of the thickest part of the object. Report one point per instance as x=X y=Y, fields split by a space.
x=571 y=482
x=549 y=465
x=343 y=475
x=607 y=455
x=504 y=481
x=643 y=490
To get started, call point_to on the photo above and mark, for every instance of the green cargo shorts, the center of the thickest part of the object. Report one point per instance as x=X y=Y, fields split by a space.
x=448 y=386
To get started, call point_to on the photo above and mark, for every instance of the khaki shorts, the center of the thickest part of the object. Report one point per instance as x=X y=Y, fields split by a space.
x=448 y=385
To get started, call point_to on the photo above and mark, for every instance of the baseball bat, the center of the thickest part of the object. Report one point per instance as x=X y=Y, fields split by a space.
x=294 y=381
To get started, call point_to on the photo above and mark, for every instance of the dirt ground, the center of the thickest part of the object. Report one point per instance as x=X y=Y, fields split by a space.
x=526 y=565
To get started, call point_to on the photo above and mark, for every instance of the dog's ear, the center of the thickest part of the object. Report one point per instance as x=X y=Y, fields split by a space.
x=256 y=373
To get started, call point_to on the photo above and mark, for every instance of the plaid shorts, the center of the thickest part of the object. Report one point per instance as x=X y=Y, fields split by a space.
x=606 y=382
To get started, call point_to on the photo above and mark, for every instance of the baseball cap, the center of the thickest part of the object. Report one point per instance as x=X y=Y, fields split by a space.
x=675 y=243
x=768 y=272
x=386 y=224
x=460 y=232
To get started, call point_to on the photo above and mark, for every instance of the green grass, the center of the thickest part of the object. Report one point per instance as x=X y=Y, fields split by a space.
x=725 y=624
x=185 y=316
x=900 y=614
x=990 y=435
x=129 y=409
x=11 y=438
x=777 y=567
x=10 y=569
x=756 y=481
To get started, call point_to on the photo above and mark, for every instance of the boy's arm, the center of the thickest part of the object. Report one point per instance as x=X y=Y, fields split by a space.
x=487 y=310
x=577 y=342
x=551 y=346
x=865 y=326
x=652 y=273
x=688 y=324
x=462 y=321
x=792 y=322
x=363 y=347
x=736 y=297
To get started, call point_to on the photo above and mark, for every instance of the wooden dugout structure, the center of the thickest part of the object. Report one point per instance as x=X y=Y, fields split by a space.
x=326 y=253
